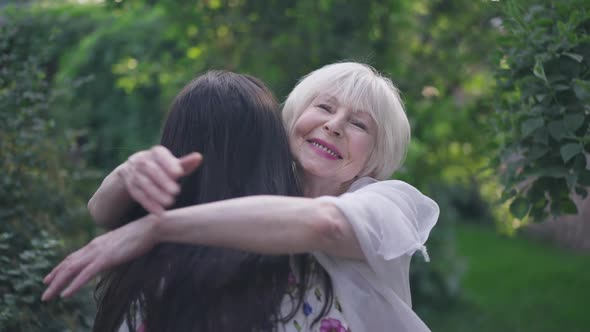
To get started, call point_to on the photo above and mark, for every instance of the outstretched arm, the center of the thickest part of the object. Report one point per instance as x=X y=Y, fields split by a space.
x=263 y=224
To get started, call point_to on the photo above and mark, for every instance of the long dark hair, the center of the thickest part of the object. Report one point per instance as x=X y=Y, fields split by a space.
x=233 y=121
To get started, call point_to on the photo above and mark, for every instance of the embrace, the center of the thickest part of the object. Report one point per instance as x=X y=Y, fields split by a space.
x=251 y=218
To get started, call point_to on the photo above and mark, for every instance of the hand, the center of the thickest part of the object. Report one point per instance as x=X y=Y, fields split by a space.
x=150 y=176
x=104 y=252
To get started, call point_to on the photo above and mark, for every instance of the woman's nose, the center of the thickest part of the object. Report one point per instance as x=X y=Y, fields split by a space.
x=333 y=128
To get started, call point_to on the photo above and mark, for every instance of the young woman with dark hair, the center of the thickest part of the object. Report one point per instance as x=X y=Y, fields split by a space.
x=233 y=121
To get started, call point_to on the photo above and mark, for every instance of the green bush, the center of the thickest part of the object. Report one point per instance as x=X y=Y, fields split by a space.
x=36 y=206
x=544 y=113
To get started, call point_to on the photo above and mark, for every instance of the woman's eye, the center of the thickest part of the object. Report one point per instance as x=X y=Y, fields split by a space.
x=359 y=125
x=325 y=107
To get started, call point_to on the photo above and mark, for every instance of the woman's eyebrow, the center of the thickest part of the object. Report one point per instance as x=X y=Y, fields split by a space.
x=328 y=99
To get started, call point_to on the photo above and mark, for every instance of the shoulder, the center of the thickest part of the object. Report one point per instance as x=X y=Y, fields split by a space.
x=390 y=200
x=395 y=191
x=391 y=220
x=368 y=183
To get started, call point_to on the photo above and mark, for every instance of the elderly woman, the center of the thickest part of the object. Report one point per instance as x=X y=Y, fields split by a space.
x=348 y=133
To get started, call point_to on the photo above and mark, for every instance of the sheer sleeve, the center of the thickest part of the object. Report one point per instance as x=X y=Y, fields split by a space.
x=390 y=219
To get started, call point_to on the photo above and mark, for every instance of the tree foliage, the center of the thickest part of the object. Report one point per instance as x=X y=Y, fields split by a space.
x=36 y=205
x=544 y=112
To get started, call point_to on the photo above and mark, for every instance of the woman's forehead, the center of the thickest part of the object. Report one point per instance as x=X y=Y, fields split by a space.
x=327 y=97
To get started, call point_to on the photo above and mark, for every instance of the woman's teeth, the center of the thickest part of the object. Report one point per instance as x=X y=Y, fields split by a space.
x=325 y=149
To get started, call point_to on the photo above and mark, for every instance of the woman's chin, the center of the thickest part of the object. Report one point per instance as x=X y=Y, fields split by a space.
x=318 y=170
x=324 y=174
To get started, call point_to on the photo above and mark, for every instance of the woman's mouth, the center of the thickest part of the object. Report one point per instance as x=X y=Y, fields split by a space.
x=324 y=149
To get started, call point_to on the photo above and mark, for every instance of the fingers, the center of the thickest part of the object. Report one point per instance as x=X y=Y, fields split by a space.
x=152 y=190
x=62 y=274
x=108 y=250
x=83 y=277
x=149 y=184
x=144 y=200
x=151 y=176
x=153 y=171
x=190 y=162
x=81 y=266
x=167 y=161
x=49 y=278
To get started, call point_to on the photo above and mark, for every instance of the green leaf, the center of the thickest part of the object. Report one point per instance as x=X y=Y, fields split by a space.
x=571 y=180
x=520 y=207
x=584 y=178
x=561 y=87
x=538 y=70
x=579 y=164
x=577 y=57
x=567 y=206
x=530 y=125
x=540 y=204
x=562 y=28
x=570 y=150
x=582 y=89
x=540 y=96
x=552 y=172
x=541 y=136
x=573 y=122
x=536 y=152
x=538 y=214
x=506 y=195
x=557 y=129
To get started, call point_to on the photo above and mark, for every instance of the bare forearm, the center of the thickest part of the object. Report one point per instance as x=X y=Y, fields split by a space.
x=110 y=202
x=263 y=224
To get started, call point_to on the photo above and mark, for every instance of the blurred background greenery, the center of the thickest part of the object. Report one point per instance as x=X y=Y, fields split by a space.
x=498 y=94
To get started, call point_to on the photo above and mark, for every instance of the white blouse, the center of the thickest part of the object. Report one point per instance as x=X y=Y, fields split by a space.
x=391 y=220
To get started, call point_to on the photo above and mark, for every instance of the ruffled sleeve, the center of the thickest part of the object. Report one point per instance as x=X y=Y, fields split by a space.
x=390 y=219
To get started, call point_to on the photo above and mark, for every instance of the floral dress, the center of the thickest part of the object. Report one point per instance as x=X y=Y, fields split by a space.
x=314 y=300
x=313 y=303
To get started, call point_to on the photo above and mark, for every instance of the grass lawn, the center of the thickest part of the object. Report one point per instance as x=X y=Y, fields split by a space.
x=514 y=284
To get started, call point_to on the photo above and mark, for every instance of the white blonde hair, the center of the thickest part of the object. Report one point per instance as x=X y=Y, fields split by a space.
x=362 y=88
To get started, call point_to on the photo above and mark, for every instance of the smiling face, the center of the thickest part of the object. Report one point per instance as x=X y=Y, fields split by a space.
x=330 y=141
